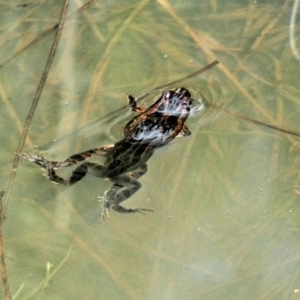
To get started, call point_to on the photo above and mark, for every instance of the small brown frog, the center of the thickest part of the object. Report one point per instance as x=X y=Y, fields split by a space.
x=126 y=160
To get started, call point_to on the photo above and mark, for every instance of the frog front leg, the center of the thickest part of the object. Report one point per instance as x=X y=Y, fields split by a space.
x=133 y=105
x=185 y=130
x=124 y=187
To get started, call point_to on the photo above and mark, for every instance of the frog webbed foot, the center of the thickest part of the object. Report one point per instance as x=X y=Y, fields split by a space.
x=116 y=194
x=38 y=160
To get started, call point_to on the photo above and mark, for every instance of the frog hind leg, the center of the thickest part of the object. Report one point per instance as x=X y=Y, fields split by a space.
x=78 y=173
x=97 y=170
x=124 y=187
x=72 y=160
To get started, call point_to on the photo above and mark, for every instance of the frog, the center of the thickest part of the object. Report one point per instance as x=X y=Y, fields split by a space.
x=126 y=160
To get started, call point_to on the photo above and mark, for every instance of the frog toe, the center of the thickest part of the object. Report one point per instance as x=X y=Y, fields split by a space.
x=122 y=209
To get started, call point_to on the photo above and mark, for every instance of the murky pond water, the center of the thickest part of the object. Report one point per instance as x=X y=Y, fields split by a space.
x=226 y=199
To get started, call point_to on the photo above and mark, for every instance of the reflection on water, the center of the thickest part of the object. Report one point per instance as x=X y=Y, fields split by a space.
x=225 y=199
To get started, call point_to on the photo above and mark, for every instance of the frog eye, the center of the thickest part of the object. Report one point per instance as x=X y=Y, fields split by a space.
x=167 y=94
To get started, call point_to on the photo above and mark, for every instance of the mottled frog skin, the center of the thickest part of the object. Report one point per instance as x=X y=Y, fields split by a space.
x=126 y=160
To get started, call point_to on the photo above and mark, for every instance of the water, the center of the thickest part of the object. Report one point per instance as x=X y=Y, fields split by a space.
x=226 y=199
